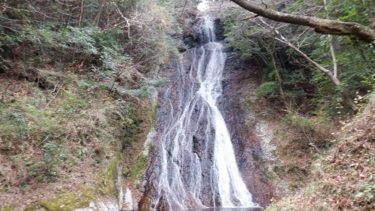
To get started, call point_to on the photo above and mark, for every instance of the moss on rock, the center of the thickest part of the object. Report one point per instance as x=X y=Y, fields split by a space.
x=8 y=208
x=66 y=202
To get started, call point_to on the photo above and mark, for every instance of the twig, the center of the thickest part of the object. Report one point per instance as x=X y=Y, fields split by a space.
x=251 y=17
x=125 y=19
x=311 y=143
x=54 y=97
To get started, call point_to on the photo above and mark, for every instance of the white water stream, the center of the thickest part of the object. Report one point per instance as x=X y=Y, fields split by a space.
x=198 y=166
x=231 y=188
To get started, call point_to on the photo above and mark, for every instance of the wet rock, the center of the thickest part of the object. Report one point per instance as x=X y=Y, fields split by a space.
x=219 y=29
x=240 y=80
x=184 y=165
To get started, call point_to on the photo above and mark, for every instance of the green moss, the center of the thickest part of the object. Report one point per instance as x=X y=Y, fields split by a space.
x=42 y=119
x=8 y=208
x=22 y=119
x=151 y=116
x=105 y=186
x=139 y=166
x=32 y=207
x=136 y=169
x=2 y=108
x=106 y=179
x=66 y=202
x=87 y=192
x=72 y=102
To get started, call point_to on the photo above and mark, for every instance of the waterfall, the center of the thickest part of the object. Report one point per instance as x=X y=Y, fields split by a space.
x=195 y=166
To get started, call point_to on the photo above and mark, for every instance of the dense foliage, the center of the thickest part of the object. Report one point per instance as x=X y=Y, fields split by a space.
x=288 y=77
x=98 y=33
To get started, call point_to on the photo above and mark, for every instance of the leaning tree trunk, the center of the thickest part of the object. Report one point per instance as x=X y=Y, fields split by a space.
x=324 y=26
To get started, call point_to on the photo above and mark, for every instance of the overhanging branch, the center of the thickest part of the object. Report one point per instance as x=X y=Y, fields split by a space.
x=323 y=26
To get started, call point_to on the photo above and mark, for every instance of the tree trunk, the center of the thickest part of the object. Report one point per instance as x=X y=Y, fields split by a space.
x=324 y=26
x=81 y=13
x=346 y=100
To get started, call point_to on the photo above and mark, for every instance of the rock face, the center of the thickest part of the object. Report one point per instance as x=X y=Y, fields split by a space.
x=240 y=81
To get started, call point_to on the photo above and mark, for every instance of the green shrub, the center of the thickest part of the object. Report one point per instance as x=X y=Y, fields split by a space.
x=299 y=121
x=267 y=89
x=14 y=126
x=53 y=153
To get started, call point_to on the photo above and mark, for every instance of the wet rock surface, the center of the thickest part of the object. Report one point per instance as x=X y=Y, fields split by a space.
x=239 y=77
x=240 y=81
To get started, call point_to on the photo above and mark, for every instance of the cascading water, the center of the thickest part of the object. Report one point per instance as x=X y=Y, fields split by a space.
x=196 y=165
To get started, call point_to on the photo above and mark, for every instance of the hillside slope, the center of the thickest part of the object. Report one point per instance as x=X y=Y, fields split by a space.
x=343 y=176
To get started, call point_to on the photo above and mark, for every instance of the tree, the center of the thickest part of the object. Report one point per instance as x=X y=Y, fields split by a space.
x=321 y=25
x=324 y=26
x=331 y=74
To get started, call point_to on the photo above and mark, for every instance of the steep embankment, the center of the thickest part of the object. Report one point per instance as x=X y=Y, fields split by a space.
x=343 y=176
x=76 y=99
x=64 y=140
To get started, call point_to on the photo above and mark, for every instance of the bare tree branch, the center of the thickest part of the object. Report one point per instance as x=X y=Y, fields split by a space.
x=125 y=19
x=331 y=48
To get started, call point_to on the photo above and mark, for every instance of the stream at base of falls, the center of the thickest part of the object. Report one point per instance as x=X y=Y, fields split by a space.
x=194 y=164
